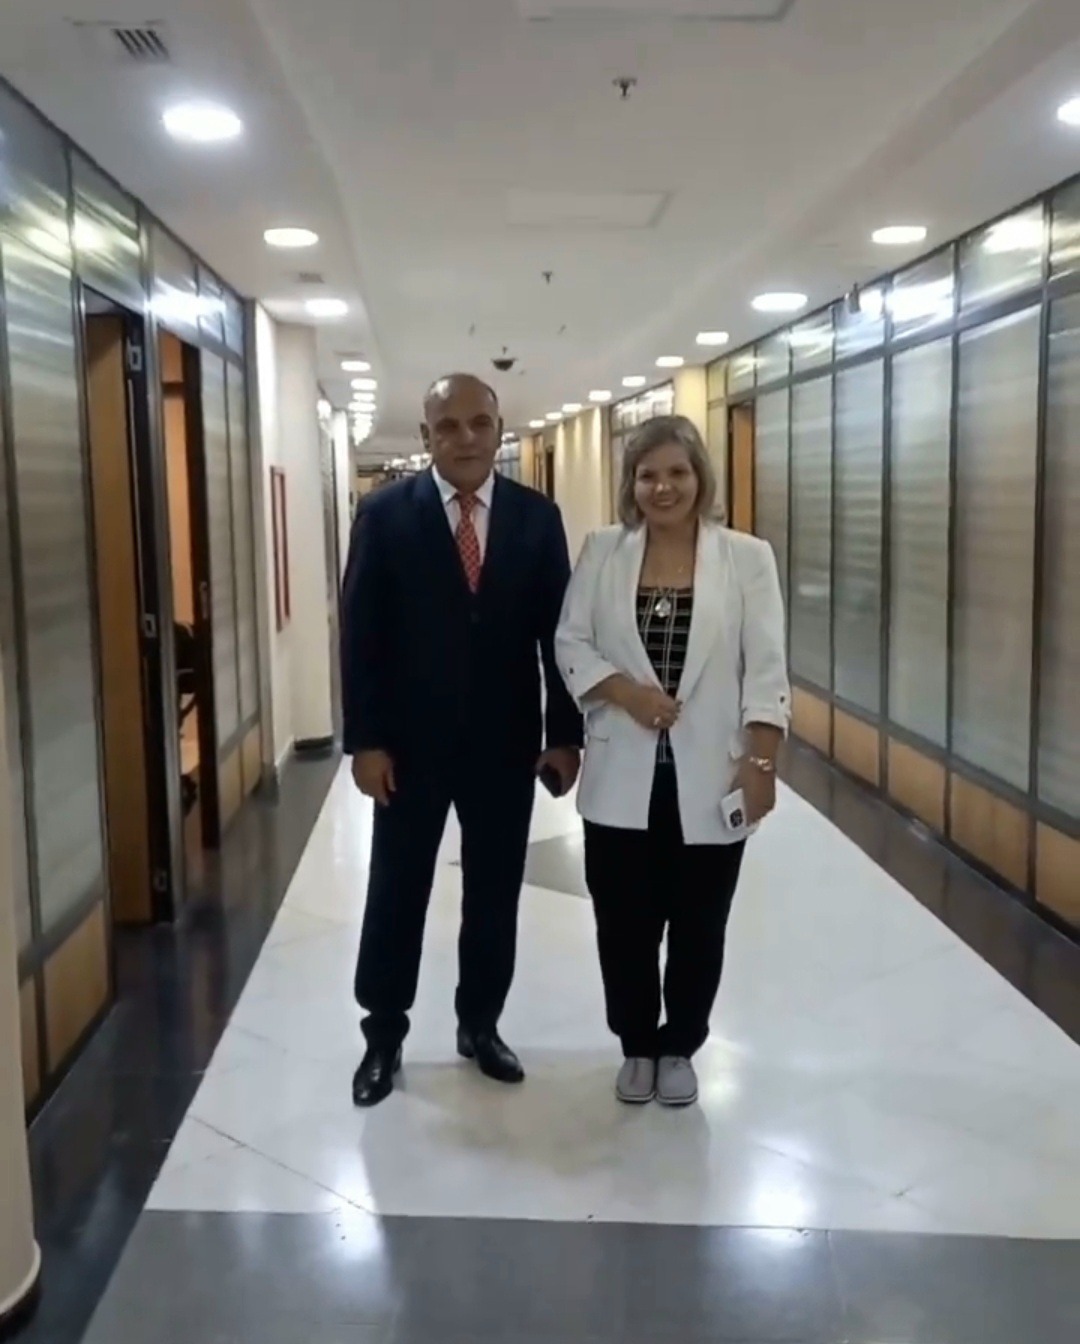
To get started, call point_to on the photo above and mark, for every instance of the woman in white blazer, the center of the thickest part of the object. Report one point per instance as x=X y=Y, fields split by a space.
x=672 y=642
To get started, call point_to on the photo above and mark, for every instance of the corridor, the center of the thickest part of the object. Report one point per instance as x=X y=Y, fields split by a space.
x=885 y=1149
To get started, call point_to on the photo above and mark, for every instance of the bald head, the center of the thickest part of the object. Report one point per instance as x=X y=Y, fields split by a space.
x=462 y=429
x=449 y=383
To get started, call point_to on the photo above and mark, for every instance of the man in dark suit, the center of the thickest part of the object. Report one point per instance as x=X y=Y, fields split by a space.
x=452 y=594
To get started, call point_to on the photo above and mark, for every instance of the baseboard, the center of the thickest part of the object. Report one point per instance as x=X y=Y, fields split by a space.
x=315 y=746
x=270 y=783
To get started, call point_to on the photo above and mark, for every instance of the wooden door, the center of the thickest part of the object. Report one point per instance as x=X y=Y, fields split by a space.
x=741 y=492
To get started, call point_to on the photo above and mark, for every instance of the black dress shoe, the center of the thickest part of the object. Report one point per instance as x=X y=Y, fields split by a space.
x=374 y=1079
x=493 y=1056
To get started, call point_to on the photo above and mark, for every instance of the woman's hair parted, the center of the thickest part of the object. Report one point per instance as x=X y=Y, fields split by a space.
x=657 y=433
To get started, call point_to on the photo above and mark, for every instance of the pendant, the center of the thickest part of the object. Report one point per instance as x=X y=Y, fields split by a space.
x=662 y=607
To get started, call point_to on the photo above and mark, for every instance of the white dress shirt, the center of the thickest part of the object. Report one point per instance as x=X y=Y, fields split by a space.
x=481 y=515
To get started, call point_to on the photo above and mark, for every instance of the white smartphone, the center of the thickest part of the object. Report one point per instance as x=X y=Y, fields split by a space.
x=733 y=810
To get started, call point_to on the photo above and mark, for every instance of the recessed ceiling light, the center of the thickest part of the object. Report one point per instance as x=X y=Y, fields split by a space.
x=713 y=338
x=635 y=380
x=202 y=123
x=572 y=408
x=326 y=307
x=599 y=396
x=779 y=301
x=554 y=415
x=670 y=362
x=1069 y=112
x=899 y=235
x=364 y=384
x=537 y=424
x=290 y=237
x=356 y=366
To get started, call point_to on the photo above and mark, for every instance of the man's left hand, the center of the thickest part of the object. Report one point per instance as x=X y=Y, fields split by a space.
x=565 y=761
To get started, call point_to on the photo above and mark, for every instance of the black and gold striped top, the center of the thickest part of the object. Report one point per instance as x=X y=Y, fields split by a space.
x=663 y=619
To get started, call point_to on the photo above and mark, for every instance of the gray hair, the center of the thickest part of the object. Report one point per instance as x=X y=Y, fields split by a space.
x=657 y=433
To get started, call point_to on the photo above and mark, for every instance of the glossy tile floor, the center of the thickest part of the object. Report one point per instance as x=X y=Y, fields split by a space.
x=98 y=1145
x=866 y=1068
x=885 y=1153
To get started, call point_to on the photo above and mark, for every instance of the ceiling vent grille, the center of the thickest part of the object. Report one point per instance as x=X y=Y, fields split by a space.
x=311 y=278
x=126 y=43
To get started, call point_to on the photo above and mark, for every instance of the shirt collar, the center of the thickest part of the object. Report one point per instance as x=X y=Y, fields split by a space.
x=448 y=494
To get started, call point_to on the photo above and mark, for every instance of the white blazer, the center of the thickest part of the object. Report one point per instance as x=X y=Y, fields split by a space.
x=735 y=674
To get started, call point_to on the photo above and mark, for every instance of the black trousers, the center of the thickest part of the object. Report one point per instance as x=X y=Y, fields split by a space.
x=643 y=883
x=494 y=807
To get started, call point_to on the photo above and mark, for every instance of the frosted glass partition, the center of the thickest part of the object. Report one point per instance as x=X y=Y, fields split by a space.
x=243 y=544
x=861 y=326
x=1065 y=231
x=994 y=583
x=107 y=247
x=50 y=491
x=857 y=541
x=774 y=358
x=1004 y=258
x=1059 y=706
x=924 y=296
x=919 y=540
x=812 y=343
x=12 y=720
x=771 y=476
x=222 y=557
x=811 y=530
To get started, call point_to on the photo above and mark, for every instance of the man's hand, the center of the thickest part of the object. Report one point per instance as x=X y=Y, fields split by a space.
x=373 y=775
x=565 y=761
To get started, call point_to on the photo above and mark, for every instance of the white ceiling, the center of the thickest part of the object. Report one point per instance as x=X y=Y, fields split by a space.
x=450 y=152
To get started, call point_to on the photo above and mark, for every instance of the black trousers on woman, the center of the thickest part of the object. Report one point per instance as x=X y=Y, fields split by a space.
x=644 y=883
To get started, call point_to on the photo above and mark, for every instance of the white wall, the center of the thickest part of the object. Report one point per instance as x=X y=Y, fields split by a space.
x=297 y=659
x=343 y=474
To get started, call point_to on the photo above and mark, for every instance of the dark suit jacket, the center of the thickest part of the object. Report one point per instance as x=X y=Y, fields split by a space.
x=428 y=669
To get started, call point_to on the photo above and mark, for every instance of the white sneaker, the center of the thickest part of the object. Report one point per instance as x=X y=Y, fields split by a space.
x=676 y=1082
x=636 y=1083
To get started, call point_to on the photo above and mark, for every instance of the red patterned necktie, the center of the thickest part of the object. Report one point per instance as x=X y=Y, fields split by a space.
x=468 y=543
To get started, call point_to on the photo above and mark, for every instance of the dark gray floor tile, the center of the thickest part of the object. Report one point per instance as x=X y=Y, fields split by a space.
x=558 y=865
x=608 y=1282
x=728 y=1284
x=958 y=1290
x=219 y=1277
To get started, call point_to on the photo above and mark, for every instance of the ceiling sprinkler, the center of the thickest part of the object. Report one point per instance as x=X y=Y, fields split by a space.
x=626 y=84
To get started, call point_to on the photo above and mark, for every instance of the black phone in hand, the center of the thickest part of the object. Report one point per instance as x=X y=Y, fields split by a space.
x=552 y=781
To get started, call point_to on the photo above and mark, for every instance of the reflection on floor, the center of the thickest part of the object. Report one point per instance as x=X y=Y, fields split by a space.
x=885 y=1150
x=100 y=1142
x=866 y=1069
